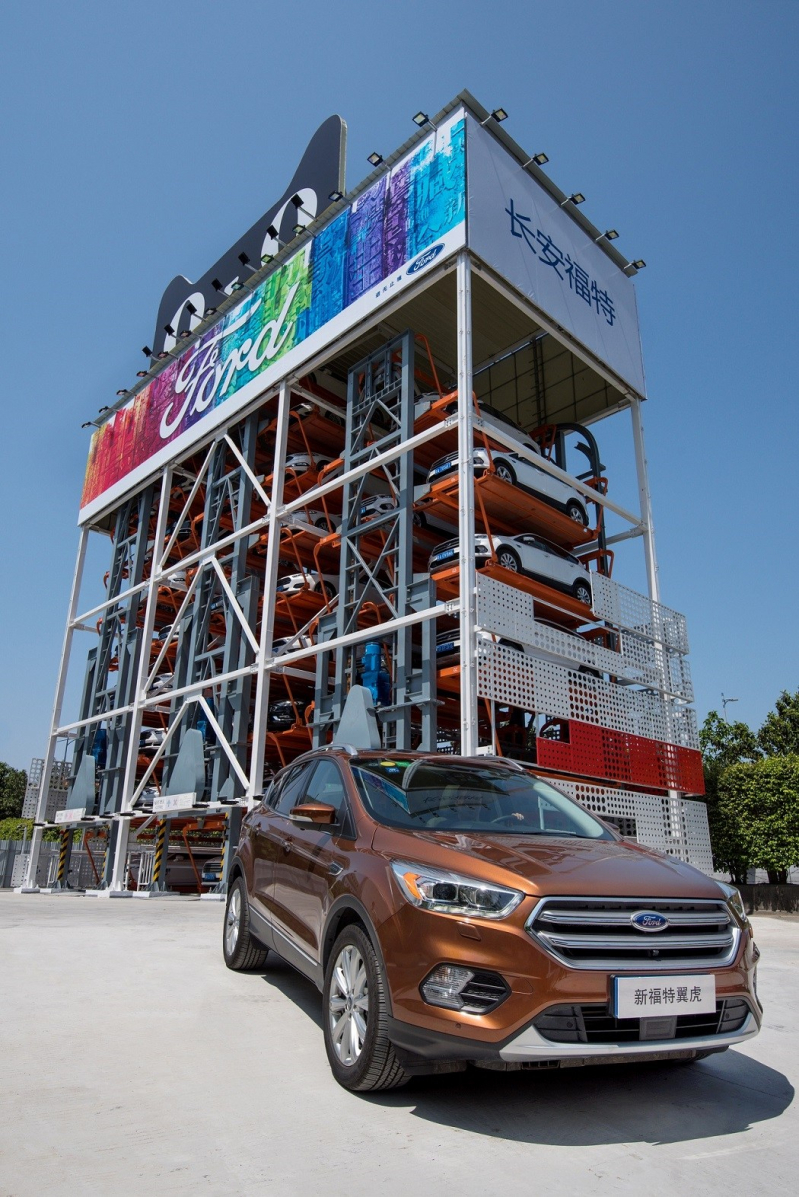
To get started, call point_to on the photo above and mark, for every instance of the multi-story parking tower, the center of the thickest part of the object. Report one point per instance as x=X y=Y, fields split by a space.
x=376 y=460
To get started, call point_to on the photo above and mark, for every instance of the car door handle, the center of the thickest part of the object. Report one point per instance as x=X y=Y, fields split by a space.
x=287 y=844
x=334 y=869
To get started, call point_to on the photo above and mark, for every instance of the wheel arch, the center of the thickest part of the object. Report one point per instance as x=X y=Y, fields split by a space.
x=345 y=911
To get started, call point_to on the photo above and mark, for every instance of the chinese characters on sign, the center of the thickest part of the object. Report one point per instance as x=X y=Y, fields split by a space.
x=667 y=995
x=548 y=253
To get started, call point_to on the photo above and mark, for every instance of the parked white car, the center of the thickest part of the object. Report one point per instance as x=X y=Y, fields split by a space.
x=379 y=505
x=513 y=468
x=293 y=583
x=526 y=554
x=301 y=463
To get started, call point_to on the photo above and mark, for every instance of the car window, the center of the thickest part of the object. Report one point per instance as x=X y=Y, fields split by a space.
x=496 y=800
x=292 y=790
x=327 y=785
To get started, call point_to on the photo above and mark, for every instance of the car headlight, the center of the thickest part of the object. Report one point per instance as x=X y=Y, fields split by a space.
x=735 y=902
x=450 y=893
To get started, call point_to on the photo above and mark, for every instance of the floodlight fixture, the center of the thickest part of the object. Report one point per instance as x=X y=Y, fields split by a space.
x=244 y=259
x=142 y=373
x=375 y=158
x=610 y=234
x=421 y=119
x=169 y=329
x=147 y=351
x=499 y=115
x=298 y=228
x=639 y=263
x=191 y=309
x=217 y=286
x=540 y=159
x=266 y=259
x=237 y=286
x=576 y=197
x=208 y=312
x=184 y=334
x=122 y=391
x=335 y=196
x=100 y=410
x=163 y=354
x=85 y=424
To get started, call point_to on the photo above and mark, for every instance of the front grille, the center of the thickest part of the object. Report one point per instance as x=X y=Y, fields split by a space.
x=596 y=1024
x=598 y=933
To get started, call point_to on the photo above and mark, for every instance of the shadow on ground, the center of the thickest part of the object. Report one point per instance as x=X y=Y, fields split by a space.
x=580 y=1107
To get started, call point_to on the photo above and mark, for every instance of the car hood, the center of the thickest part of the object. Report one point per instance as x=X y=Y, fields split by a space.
x=552 y=865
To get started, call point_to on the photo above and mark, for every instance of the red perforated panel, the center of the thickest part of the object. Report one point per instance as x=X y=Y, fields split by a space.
x=617 y=756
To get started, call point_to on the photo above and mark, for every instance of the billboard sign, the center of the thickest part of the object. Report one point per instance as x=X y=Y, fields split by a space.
x=395 y=231
x=521 y=231
x=319 y=175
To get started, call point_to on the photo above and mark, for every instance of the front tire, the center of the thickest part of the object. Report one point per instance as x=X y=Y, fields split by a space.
x=508 y=560
x=240 y=950
x=505 y=472
x=355 y=1013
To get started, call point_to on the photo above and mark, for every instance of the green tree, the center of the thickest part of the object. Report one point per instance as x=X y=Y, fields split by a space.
x=760 y=800
x=779 y=735
x=12 y=791
x=725 y=744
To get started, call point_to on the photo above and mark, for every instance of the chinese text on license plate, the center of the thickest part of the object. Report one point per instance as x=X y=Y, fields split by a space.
x=655 y=997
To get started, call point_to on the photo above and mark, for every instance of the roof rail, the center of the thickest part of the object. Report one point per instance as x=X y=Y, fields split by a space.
x=348 y=748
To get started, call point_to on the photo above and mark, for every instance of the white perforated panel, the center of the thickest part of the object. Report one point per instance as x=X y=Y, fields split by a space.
x=675 y=826
x=628 y=609
x=515 y=679
x=509 y=612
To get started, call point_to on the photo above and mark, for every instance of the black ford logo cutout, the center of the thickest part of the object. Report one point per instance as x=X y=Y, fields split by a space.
x=427 y=256
x=649 y=920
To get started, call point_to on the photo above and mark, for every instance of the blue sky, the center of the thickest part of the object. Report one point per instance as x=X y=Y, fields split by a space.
x=139 y=141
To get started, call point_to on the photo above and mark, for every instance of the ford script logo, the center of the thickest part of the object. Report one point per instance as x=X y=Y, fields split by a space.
x=649 y=920
x=425 y=258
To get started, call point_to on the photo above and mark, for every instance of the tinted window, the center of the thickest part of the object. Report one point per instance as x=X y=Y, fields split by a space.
x=327 y=785
x=491 y=799
x=291 y=791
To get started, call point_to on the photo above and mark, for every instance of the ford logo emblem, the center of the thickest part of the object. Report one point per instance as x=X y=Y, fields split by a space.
x=649 y=920
x=423 y=259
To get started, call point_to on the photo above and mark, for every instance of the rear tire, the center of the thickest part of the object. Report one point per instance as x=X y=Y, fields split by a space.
x=575 y=512
x=355 y=1016
x=240 y=950
x=582 y=592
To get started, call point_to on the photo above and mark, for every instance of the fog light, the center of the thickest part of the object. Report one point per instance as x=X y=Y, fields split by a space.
x=444 y=985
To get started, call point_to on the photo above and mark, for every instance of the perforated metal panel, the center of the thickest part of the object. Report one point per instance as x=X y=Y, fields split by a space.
x=676 y=826
x=533 y=684
x=628 y=609
x=601 y=752
x=509 y=612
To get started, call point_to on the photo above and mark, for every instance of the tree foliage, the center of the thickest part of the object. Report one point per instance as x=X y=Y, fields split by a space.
x=12 y=791
x=760 y=801
x=725 y=744
x=779 y=735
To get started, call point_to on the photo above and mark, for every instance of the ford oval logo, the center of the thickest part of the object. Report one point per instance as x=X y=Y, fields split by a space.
x=423 y=259
x=649 y=920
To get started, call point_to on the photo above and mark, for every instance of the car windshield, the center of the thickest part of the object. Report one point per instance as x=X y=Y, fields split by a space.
x=423 y=794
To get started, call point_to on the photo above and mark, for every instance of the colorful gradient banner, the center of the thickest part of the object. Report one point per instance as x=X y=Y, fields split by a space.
x=329 y=284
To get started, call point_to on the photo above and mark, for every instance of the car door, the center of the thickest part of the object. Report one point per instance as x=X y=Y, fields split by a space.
x=268 y=834
x=313 y=856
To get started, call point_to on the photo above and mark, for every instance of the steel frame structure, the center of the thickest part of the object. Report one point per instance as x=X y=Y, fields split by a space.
x=224 y=685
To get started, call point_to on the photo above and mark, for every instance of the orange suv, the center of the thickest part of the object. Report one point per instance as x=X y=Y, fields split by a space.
x=455 y=910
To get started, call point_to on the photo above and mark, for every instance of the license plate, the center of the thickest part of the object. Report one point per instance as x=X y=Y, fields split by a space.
x=442 y=468
x=446 y=648
x=662 y=997
x=444 y=556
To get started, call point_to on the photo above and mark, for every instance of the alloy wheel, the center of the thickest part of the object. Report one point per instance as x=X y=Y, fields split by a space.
x=233 y=921
x=348 y=1006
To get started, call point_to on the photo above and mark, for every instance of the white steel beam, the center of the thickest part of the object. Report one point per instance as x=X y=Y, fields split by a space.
x=468 y=573
x=63 y=668
x=642 y=470
x=268 y=612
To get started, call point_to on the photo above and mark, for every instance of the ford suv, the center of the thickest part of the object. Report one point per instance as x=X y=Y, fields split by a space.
x=458 y=911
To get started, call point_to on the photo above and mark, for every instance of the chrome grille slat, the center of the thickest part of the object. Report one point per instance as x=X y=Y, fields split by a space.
x=622 y=917
x=598 y=933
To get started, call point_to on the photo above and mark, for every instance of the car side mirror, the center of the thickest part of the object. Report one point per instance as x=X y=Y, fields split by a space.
x=313 y=812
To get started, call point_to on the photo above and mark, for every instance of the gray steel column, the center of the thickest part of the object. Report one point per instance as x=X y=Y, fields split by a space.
x=118 y=877
x=63 y=668
x=468 y=578
x=642 y=471
x=268 y=610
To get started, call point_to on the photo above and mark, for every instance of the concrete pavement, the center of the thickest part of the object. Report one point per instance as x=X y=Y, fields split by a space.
x=134 y=1062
